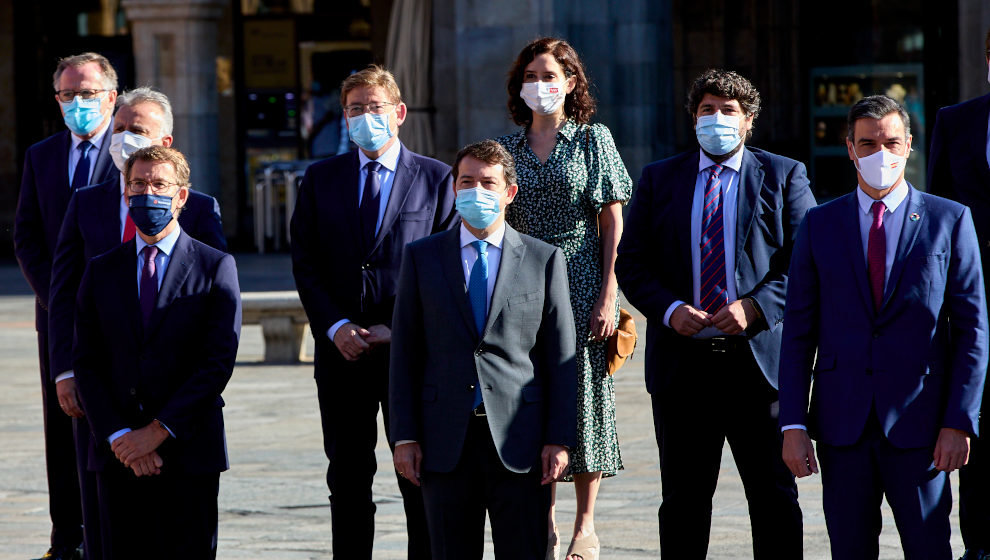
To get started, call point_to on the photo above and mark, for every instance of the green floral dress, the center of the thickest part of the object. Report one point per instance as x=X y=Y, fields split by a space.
x=558 y=202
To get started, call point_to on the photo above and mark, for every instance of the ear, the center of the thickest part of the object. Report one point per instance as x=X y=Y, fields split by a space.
x=181 y=197
x=851 y=150
x=400 y=114
x=510 y=193
x=571 y=83
x=167 y=141
x=907 y=152
x=112 y=99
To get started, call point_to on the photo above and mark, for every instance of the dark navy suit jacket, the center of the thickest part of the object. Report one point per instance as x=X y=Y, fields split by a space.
x=336 y=276
x=919 y=362
x=175 y=369
x=92 y=227
x=654 y=260
x=41 y=206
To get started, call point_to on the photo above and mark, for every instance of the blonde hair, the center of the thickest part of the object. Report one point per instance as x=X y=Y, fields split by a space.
x=161 y=154
x=372 y=76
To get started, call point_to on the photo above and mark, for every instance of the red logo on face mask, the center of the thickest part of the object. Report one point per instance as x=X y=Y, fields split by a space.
x=553 y=90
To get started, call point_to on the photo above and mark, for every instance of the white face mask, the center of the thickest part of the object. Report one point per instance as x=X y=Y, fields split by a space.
x=544 y=98
x=123 y=144
x=882 y=169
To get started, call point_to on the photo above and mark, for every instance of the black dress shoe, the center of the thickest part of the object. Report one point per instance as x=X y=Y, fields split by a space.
x=976 y=554
x=63 y=553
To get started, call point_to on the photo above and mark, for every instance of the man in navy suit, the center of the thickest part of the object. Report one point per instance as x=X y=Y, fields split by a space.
x=704 y=257
x=959 y=169
x=886 y=288
x=354 y=215
x=154 y=350
x=86 y=90
x=96 y=221
x=482 y=389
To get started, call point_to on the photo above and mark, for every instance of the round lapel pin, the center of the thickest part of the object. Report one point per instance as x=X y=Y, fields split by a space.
x=915 y=217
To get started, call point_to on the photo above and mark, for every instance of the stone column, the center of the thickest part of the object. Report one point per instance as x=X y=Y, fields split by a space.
x=974 y=20
x=175 y=51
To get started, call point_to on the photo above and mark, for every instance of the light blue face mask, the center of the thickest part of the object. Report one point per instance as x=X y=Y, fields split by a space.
x=369 y=131
x=718 y=134
x=479 y=207
x=82 y=116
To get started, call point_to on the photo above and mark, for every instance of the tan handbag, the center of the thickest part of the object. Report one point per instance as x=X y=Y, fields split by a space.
x=622 y=342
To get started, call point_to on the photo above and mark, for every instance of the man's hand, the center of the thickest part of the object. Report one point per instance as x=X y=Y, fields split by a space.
x=688 y=321
x=150 y=464
x=799 y=454
x=349 y=339
x=735 y=317
x=68 y=397
x=554 y=458
x=136 y=444
x=407 y=458
x=378 y=334
x=951 y=449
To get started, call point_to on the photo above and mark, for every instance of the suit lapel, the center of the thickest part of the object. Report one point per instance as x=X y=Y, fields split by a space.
x=450 y=257
x=513 y=251
x=406 y=170
x=750 y=182
x=853 y=240
x=131 y=300
x=682 y=202
x=909 y=234
x=103 y=160
x=179 y=264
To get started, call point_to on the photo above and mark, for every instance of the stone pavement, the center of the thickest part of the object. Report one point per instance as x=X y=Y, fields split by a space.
x=273 y=500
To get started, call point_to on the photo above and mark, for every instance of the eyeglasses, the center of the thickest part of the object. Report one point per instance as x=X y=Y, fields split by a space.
x=359 y=109
x=138 y=186
x=68 y=95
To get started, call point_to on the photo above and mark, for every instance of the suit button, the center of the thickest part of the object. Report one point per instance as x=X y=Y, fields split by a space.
x=133 y=391
x=470 y=388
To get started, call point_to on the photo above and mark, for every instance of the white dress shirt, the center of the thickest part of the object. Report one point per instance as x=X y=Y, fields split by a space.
x=729 y=178
x=75 y=155
x=893 y=223
x=386 y=175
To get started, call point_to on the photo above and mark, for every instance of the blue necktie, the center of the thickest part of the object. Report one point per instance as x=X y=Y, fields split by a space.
x=478 y=294
x=80 y=177
x=714 y=294
x=370 y=203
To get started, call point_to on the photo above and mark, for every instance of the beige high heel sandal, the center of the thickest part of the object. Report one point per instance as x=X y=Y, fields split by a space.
x=585 y=546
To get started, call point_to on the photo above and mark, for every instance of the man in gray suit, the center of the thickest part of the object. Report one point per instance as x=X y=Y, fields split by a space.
x=482 y=385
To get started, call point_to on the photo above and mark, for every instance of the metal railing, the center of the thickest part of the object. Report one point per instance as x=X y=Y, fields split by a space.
x=276 y=183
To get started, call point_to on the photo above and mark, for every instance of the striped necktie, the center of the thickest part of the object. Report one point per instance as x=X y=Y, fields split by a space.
x=714 y=294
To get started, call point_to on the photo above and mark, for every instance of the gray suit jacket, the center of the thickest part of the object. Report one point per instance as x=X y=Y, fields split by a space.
x=525 y=359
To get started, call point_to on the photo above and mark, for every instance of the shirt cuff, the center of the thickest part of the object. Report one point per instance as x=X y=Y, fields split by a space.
x=332 y=331
x=670 y=311
x=404 y=441
x=794 y=427
x=167 y=429
x=64 y=375
x=117 y=434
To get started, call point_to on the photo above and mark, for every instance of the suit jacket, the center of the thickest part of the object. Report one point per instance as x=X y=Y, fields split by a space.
x=336 y=276
x=920 y=361
x=654 y=259
x=957 y=162
x=92 y=227
x=41 y=205
x=175 y=369
x=525 y=359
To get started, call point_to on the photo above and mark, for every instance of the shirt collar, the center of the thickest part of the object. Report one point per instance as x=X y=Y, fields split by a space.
x=495 y=239
x=569 y=129
x=165 y=245
x=733 y=163
x=389 y=160
x=95 y=140
x=893 y=199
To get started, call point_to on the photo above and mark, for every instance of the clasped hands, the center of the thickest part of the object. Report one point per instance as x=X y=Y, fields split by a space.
x=408 y=457
x=732 y=319
x=137 y=449
x=353 y=340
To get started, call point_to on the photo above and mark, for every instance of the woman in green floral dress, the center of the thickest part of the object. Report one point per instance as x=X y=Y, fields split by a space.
x=572 y=185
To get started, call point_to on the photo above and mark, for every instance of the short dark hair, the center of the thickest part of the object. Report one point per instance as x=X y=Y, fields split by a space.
x=492 y=153
x=876 y=107
x=161 y=154
x=578 y=105
x=728 y=84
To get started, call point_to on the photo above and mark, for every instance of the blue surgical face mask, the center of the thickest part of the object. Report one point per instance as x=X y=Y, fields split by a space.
x=369 y=131
x=479 y=207
x=150 y=212
x=718 y=134
x=82 y=116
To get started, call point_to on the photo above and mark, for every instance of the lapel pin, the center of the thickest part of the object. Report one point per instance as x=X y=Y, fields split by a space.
x=915 y=217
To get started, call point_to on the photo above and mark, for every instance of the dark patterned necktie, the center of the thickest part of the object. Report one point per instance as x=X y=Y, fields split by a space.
x=370 y=202
x=713 y=292
x=80 y=177
x=149 y=283
x=876 y=254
